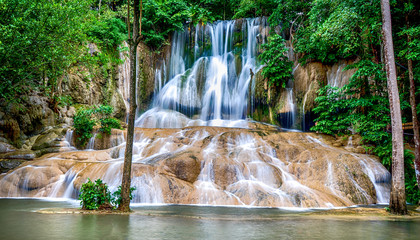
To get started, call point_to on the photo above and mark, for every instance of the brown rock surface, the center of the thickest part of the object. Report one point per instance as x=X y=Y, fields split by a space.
x=211 y=165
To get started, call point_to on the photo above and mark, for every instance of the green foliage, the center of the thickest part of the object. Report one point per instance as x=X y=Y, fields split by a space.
x=411 y=188
x=65 y=100
x=333 y=112
x=357 y=107
x=160 y=18
x=278 y=68
x=200 y=15
x=117 y=196
x=108 y=123
x=86 y=119
x=83 y=123
x=218 y=9
x=334 y=29
x=38 y=41
x=108 y=33
x=289 y=12
x=254 y=8
x=94 y=194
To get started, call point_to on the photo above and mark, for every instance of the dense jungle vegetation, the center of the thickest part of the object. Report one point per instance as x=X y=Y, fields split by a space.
x=41 y=39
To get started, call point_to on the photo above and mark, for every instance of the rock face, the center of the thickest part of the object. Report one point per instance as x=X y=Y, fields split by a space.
x=82 y=88
x=24 y=125
x=216 y=166
x=275 y=105
x=147 y=62
x=30 y=117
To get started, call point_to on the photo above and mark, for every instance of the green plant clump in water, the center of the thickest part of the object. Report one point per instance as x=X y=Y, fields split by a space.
x=278 y=68
x=86 y=119
x=96 y=195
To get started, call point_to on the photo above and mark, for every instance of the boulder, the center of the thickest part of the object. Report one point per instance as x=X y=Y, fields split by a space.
x=19 y=154
x=5 y=147
x=184 y=166
x=9 y=164
x=44 y=141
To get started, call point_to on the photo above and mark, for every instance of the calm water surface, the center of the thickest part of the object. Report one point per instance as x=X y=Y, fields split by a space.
x=19 y=220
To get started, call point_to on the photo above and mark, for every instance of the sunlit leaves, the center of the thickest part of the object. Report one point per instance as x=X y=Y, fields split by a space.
x=278 y=68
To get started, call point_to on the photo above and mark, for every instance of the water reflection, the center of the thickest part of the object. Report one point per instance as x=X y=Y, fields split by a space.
x=19 y=220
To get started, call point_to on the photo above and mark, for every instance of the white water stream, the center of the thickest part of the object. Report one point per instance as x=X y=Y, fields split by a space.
x=214 y=89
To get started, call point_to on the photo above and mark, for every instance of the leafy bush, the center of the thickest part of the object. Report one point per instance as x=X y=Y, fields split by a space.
x=83 y=124
x=108 y=33
x=333 y=112
x=39 y=40
x=278 y=68
x=96 y=195
x=86 y=119
x=108 y=123
x=160 y=18
x=358 y=107
x=117 y=196
x=254 y=8
x=334 y=30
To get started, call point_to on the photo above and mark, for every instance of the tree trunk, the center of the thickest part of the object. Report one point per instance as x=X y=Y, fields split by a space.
x=99 y=8
x=414 y=114
x=126 y=179
x=415 y=121
x=397 y=203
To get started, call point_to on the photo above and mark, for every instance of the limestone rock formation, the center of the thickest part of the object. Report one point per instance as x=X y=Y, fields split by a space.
x=217 y=166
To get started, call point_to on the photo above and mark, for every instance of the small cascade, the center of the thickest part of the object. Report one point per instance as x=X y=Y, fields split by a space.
x=336 y=76
x=287 y=119
x=67 y=143
x=91 y=144
x=124 y=75
x=304 y=112
x=160 y=78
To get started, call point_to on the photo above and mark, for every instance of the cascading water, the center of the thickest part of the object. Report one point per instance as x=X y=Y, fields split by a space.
x=180 y=157
x=208 y=81
x=124 y=75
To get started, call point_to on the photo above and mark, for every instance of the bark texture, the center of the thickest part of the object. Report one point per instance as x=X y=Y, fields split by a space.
x=128 y=155
x=414 y=114
x=415 y=121
x=397 y=203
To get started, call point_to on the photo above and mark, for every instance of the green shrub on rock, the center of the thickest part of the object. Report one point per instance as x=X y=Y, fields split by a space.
x=83 y=125
x=278 y=68
x=86 y=119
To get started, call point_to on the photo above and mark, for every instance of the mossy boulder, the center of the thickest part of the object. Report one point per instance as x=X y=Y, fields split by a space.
x=9 y=164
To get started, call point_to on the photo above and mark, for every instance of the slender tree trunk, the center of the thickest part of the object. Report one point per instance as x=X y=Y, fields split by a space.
x=126 y=180
x=414 y=114
x=415 y=121
x=397 y=203
x=99 y=9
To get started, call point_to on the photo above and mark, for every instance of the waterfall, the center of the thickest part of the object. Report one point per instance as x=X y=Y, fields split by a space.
x=207 y=81
x=336 y=76
x=288 y=118
x=124 y=76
